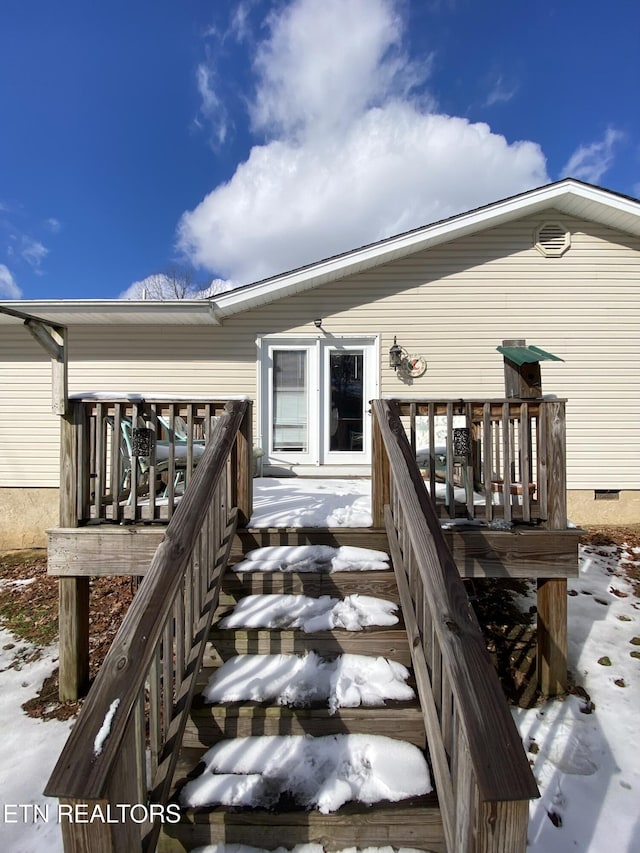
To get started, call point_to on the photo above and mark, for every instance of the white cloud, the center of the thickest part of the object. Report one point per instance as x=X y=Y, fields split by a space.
x=590 y=162
x=212 y=108
x=240 y=20
x=33 y=252
x=500 y=92
x=53 y=225
x=351 y=155
x=8 y=287
x=314 y=76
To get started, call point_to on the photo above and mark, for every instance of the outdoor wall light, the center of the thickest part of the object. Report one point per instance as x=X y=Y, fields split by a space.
x=409 y=365
x=396 y=354
x=317 y=323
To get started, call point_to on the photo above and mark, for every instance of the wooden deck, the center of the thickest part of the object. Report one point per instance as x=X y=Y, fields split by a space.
x=518 y=553
x=154 y=668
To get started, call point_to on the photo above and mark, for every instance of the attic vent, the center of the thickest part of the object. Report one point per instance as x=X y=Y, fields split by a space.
x=552 y=239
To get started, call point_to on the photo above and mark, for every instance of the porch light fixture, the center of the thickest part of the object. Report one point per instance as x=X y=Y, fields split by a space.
x=318 y=323
x=397 y=355
x=409 y=365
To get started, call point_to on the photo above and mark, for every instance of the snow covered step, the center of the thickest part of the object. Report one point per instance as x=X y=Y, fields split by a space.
x=380 y=584
x=313 y=558
x=338 y=791
x=288 y=694
x=211 y=723
x=388 y=642
x=299 y=681
x=412 y=823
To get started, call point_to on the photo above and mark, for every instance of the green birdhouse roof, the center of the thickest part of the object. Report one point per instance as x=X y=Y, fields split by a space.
x=527 y=354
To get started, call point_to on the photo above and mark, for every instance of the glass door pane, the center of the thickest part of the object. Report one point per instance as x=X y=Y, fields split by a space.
x=346 y=370
x=290 y=403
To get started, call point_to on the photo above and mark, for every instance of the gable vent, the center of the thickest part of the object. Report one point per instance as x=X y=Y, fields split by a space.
x=552 y=239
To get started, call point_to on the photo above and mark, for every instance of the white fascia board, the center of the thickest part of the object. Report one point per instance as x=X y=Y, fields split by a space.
x=567 y=195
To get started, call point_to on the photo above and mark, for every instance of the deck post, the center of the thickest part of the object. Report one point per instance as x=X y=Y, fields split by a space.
x=552 y=636
x=380 y=475
x=69 y=465
x=73 y=592
x=502 y=827
x=73 y=627
x=242 y=471
x=552 y=592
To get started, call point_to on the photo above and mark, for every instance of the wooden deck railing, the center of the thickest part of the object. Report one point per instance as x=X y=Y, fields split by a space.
x=122 y=750
x=482 y=776
x=129 y=460
x=491 y=459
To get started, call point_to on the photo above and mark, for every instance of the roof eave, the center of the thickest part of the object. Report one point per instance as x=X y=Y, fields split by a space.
x=563 y=195
x=106 y=311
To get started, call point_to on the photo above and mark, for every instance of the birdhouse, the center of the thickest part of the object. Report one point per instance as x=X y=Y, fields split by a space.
x=522 y=378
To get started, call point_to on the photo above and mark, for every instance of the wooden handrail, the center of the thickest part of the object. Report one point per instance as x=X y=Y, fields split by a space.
x=469 y=695
x=182 y=579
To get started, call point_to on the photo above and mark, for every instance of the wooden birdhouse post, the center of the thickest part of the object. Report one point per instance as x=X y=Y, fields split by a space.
x=522 y=378
x=522 y=381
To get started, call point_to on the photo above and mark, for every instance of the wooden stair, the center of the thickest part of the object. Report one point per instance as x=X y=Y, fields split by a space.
x=410 y=823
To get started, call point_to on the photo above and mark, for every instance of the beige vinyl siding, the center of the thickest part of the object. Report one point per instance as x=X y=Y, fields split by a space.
x=29 y=432
x=452 y=304
x=455 y=303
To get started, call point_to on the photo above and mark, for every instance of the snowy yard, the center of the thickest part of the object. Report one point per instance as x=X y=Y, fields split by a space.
x=583 y=749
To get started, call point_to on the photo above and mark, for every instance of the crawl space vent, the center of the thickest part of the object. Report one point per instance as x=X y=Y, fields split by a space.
x=552 y=239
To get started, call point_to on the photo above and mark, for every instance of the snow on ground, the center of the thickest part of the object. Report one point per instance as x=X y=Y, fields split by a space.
x=296 y=680
x=352 y=613
x=587 y=759
x=29 y=749
x=319 y=772
x=587 y=764
x=298 y=502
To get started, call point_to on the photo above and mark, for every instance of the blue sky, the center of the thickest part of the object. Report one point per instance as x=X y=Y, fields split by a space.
x=246 y=138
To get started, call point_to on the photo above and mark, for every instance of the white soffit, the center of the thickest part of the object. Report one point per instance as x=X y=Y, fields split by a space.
x=570 y=197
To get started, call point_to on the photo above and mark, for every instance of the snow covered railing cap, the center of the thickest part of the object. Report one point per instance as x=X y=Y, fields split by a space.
x=137 y=397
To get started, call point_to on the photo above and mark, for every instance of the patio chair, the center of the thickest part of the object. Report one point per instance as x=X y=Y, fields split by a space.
x=131 y=461
x=179 y=430
x=178 y=436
